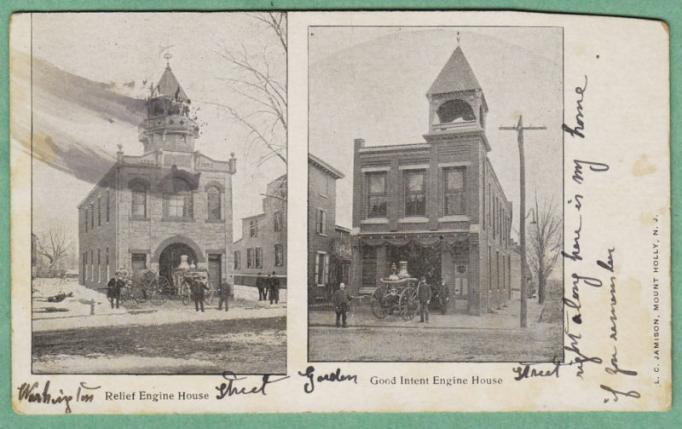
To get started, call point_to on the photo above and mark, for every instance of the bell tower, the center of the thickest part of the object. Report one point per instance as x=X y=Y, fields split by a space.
x=168 y=125
x=456 y=101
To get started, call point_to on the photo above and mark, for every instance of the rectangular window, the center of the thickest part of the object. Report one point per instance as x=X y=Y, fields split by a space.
x=237 y=257
x=85 y=217
x=259 y=257
x=99 y=266
x=490 y=206
x=99 y=211
x=84 y=275
x=108 y=204
x=253 y=228
x=321 y=222
x=483 y=197
x=176 y=206
x=415 y=193
x=279 y=255
x=376 y=195
x=106 y=260
x=321 y=268
x=92 y=266
x=454 y=200
x=92 y=216
x=277 y=219
x=139 y=262
x=249 y=258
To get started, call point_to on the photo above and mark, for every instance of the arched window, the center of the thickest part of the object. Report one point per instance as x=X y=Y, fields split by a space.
x=139 y=200
x=214 y=206
x=452 y=110
x=178 y=200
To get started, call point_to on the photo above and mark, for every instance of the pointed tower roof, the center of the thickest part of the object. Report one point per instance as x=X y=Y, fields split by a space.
x=456 y=75
x=169 y=86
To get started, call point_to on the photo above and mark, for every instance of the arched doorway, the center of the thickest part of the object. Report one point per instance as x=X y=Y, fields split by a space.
x=169 y=259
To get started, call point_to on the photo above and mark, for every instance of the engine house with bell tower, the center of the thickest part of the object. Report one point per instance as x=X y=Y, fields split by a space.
x=169 y=205
x=436 y=205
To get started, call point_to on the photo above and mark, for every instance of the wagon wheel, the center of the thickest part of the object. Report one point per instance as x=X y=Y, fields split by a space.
x=139 y=292
x=444 y=299
x=378 y=307
x=209 y=296
x=408 y=303
x=184 y=292
x=160 y=288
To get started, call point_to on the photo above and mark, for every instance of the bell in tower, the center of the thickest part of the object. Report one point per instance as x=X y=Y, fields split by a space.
x=168 y=126
x=456 y=100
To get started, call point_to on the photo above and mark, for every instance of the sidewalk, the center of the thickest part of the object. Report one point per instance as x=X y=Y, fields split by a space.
x=361 y=316
x=74 y=312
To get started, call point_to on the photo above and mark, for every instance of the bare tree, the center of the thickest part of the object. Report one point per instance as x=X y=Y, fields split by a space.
x=54 y=246
x=544 y=244
x=256 y=79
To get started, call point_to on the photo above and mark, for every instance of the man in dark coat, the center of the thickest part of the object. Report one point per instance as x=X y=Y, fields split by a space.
x=197 y=289
x=424 y=298
x=273 y=283
x=260 y=284
x=341 y=302
x=225 y=293
x=114 y=287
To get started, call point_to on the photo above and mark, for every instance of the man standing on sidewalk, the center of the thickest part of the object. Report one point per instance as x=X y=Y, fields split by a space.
x=114 y=289
x=273 y=285
x=262 y=290
x=197 y=288
x=225 y=293
x=341 y=301
x=424 y=298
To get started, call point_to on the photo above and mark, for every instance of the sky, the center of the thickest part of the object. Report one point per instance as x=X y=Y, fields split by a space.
x=119 y=48
x=371 y=83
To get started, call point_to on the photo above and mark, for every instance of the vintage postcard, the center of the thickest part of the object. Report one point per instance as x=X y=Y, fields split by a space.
x=473 y=214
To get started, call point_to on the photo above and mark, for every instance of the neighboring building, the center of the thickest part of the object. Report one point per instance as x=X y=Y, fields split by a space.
x=322 y=230
x=437 y=205
x=263 y=246
x=149 y=210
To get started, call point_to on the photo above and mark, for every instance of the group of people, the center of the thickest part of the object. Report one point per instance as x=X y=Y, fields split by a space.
x=341 y=302
x=198 y=290
x=268 y=287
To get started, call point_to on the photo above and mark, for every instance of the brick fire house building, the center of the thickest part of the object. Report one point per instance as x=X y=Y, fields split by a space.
x=437 y=204
x=149 y=210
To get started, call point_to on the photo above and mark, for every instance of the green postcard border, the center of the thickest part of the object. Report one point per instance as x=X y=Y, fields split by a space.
x=669 y=11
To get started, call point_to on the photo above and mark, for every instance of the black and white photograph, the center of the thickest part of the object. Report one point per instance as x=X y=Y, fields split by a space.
x=159 y=192
x=424 y=141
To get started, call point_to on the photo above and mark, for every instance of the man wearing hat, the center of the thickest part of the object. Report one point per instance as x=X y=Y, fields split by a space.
x=114 y=287
x=341 y=301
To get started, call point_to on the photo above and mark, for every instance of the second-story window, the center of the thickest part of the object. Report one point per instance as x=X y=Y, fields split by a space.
x=214 y=209
x=85 y=217
x=415 y=193
x=139 y=203
x=279 y=255
x=237 y=259
x=108 y=205
x=454 y=197
x=321 y=222
x=99 y=211
x=253 y=228
x=92 y=216
x=277 y=221
x=178 y=203
x=376 y=195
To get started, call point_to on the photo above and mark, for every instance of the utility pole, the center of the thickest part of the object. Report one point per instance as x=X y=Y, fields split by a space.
x=519 y=128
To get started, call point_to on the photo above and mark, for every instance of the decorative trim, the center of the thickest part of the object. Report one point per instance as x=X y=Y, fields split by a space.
x=454 y=218
x=374 y=221
x=375 y=169
x=454 y=164
x=414 y=167
x=414 y=219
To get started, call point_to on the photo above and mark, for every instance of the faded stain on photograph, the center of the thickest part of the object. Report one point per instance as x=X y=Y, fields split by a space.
x=159 y=192
x=416 y=230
